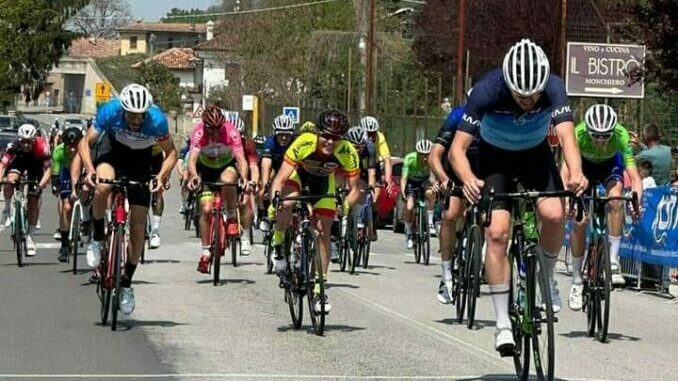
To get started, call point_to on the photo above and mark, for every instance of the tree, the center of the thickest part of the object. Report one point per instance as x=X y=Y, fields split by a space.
x=32 y=39
x=102 y=17
x=162 y=84
x=177 y=15
x=655 y=23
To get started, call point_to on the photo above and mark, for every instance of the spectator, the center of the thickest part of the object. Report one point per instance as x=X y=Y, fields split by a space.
x=657 y=154
x=446 y=106
x=645 y=169
x=636 y=145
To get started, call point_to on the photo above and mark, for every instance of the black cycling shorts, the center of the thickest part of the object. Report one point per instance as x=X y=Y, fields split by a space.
x=33 y=168
x=132 y=164
x=534 y=168
x=156 y=163
x=604 y=172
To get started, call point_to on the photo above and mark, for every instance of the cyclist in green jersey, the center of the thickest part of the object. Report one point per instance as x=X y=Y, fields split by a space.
x=62 y=183
x=606 y=150
x=416 y=174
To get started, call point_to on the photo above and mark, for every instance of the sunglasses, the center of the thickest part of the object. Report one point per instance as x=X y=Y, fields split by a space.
x=600 y=136
x=330 y=136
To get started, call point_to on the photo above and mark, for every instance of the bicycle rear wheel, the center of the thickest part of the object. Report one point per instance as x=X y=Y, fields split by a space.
x=188 y=216
x=310 y=247
x=216 y=247
x=366 y=253
x=74 y=241
x=117 y=275
x=458 y=283
x=105 y=291
x=604 y=286
x=590 y=294
x=18 y=232
x=425 y=237
x=268 y=252
x=543 y=335
x=474 y=249
x=294 y=290
x=416 y=236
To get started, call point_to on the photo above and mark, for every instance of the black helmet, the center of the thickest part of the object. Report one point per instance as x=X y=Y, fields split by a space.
x=71 y=135
x=332 y=121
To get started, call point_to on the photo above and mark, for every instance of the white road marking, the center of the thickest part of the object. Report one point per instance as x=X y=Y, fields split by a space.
x=51 y=245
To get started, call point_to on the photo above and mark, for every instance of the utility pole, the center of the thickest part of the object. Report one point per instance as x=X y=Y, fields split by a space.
x=563 y=36
x=369 y=87
x=459 y=88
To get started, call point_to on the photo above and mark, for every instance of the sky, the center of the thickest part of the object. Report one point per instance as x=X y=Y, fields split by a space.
x=154 y=10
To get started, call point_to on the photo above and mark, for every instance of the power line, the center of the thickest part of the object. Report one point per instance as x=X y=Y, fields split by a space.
x=254 y=10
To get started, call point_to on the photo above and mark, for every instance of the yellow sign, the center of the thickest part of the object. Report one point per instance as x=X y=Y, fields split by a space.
x=102 y=91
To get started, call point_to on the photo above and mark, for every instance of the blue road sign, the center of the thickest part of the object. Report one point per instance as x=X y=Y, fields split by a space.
x=292 y=112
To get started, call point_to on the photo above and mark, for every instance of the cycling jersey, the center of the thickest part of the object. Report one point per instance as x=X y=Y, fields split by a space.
x=492 y=110
x=303 y=155
x=446 y=136
x=619 y=143
x=381 y=144
x=217 y=151
x=38 y=155
x=367 y=160
x=414 y=169
x=111 y=119
x=61 y=159
x=275 y=151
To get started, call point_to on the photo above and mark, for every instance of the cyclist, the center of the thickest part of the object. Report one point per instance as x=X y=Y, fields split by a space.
x=54 y=133
x=272 y=158
x=246 y=207
x=440 y=165
x=61 y=183
x=158 y=204
x=606 y=151
x=308 y=126
x=133 y=124
x=416 y=175
x=512 y=107
x=29 y=155
x=367 y=155
x=312 y=160
x=182 y=171
x=371 y=125
x=216 y=148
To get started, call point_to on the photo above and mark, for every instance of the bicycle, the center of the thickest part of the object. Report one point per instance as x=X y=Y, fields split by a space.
x=19 y=226
x=363 y=233
x=77 y=224
x=268 y=248
x=530 y=305
x=420 y=228
x=112 y=270
x=596 y=269
x=301 y=243
x=345 y=241
x=219 y=239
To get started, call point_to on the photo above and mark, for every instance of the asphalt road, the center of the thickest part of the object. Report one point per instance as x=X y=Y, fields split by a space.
x=385 y=324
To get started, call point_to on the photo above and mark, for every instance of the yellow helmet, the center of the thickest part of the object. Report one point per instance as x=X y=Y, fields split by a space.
x=308 y=127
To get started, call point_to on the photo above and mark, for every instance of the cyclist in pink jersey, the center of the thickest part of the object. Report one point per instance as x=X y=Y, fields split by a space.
x=216 y=148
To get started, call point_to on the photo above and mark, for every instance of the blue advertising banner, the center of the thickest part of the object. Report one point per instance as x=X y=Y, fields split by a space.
x=654 y=239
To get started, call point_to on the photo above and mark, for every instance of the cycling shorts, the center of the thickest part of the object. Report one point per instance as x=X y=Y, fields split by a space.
x=603 y=172
x=325 y=206
x=134 y=165
x=65 y=189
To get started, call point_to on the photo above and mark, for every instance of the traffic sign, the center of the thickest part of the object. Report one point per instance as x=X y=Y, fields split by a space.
x=248 y=102
x=605 y=70
x=102 y=91
x=292 y=112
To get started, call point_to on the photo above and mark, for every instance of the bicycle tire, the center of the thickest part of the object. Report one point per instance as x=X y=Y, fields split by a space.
x=416 y=238
x=426 y=239
x=117 y=275
x=343 y=254
x=543 y=337
x=216 y=247
x=604 y=286
x=106 y=294
x=75 y=235
x=368 y=246
x=235 y=249
x=188 y=215
x=294 y=291
x=19 y=236
x=310 y=245
x=268 y=252
x=522 y=354
x=475 y=246
x=590 y=293
x=458 y=286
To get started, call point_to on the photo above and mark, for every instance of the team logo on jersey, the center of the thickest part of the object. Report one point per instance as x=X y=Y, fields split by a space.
x=560 y=111
x=469 y=119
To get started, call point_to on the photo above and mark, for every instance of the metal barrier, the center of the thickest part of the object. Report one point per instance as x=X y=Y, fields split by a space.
x=646 y=276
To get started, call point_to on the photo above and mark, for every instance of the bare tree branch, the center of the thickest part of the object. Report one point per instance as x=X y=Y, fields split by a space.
x=102 y=17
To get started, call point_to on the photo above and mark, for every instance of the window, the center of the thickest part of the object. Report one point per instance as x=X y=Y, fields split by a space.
x=133 y=43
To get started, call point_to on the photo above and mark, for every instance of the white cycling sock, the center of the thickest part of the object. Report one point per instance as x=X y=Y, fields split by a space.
x=615 y=242
x=430 y=217
x=408 y=228
x=447 y=270
x=155 y=222
x=550 y=259
x=500 y=302
x=576 y=270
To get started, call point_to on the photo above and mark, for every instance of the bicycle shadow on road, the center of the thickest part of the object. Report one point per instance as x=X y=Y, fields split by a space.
x=610 y=336
x=223 y=282
x=328 y=328
x=152 y=261
x=342 y=285
x=28 y=263
x=128 y=325
x=498 y=377
x=477 y=324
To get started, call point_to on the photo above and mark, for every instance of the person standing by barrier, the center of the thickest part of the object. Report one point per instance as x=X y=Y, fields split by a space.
x=657 y=154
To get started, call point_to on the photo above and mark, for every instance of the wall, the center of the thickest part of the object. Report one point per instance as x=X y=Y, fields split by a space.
x=125 y=45
x=185 y=77
x=214 y=73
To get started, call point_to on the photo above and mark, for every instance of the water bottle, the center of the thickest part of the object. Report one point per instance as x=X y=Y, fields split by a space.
x=522 y=274
x=530 y=225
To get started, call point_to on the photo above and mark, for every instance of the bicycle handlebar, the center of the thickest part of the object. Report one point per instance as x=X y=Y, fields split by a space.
x=123 y=182
x=20 y=182
x=633 y=200
x=532 y=195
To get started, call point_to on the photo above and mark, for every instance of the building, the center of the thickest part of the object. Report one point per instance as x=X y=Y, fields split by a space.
x=218 y=59
x=178 y=61
x=153 y=37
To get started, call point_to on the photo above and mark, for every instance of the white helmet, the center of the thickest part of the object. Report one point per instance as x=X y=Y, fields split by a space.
x=238 y=123
x=27 y=131
x=600 y=119
x=424 y=146
x=369 y=123
x=136 y=98
x=356 y=135
x=526 y=68
x=283 y=123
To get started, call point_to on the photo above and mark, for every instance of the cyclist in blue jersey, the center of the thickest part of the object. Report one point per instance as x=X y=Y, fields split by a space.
x=133 y=125
x=512 y=109
x=440 y=165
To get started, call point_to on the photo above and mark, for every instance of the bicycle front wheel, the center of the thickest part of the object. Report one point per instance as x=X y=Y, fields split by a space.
x=117 y=276
x=74 y=241
x=590 y=294
x=459 y=282
x=217 y=248
x=18 y=232
x=425 y=236
x=268 y=252
x=543 y=335
x=366 y=253
x=295 y=288
x=317 y=294
x=604 y=286
x=518 y=316
x=474 y=246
